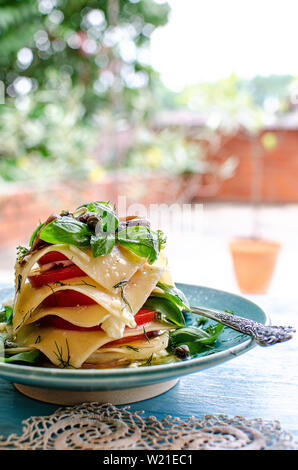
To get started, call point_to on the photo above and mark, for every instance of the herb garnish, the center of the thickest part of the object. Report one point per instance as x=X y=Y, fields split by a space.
x=21 y=252
x=132 y=348
x=64 y=363
x=59 y=283
x=33 y=236
x=53 y=293
x=6 y=313
x=120 y=285
x=197 y=339
x=19 y=282
x=84 y=283
x=167 y=308
x=142 y=241
x=102 y=234
x=145 y=334
x=149 y=360
x=173 y=294
x=25 y=317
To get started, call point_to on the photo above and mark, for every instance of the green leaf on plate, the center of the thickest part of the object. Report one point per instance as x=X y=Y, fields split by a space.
x=28 y=356
x=167 y=308
x=195 y=338
x=173 y=294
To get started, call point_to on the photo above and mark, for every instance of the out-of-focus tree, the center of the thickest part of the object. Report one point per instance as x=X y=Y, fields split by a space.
x=233 y=102
x=72 y=68
x=272 y=91
x=225 y=104
x=101 y=44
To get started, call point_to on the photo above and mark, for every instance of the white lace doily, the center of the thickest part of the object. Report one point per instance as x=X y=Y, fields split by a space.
x=91 y=426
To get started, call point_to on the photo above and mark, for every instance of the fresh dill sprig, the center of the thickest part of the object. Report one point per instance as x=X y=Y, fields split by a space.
x=19 y=282
x=124 y=299
x=25 y=317
x=59 y=283
x=145 y=334
x=53 y=292
x=132 y=348
x=84 y=283
x=121 y=286
x=149 y=360
x=64 y=363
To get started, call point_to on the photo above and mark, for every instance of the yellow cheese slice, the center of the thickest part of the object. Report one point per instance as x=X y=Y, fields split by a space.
x=122 y=305
x=105 y=270
x=86 y=316
x=133 y=351
x=30 y=298
x=82 y=315
x=66 y=348
x=162 y=262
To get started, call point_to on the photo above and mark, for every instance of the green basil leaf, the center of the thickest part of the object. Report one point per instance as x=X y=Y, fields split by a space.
x=6 y=313
x=32 y=238
x=195 y=338
x=213 y=331
x=142 y=241
x=167 y=308
x=188 y=334
x=109 y=220
x=102 y=244
x=173 y=294
x=66 y=230
x=28 y=356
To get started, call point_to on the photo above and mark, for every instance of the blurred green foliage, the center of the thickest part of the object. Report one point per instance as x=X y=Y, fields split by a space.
x=232 y=103
x=70 y=68
x=77 y=72
x=167 y=150
x=45 y=135
x=98 y=43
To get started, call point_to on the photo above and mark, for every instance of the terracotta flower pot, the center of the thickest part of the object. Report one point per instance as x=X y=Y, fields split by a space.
x=254 y=262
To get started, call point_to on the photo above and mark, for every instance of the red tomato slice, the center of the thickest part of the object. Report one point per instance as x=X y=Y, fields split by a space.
x=51 y=257
x=129 y=339
x=57 y=322
x=143 y=316
x=67 y=298
x=55 y=275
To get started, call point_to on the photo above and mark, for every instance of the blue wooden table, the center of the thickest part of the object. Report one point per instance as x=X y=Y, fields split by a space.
x=262 y=383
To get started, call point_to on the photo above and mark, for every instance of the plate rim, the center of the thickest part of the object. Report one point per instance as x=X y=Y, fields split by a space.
x=56 y=377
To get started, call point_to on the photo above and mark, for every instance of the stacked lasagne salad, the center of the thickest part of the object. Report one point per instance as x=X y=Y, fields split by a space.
x=93 y=290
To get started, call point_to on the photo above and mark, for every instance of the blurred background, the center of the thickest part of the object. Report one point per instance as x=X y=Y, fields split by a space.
x=174 y=102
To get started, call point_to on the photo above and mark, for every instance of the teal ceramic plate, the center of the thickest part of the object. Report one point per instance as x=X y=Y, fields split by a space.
x=230 y=345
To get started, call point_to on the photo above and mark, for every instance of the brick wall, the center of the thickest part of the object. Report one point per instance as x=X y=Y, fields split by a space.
x=278 y=172
x=22 y=207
